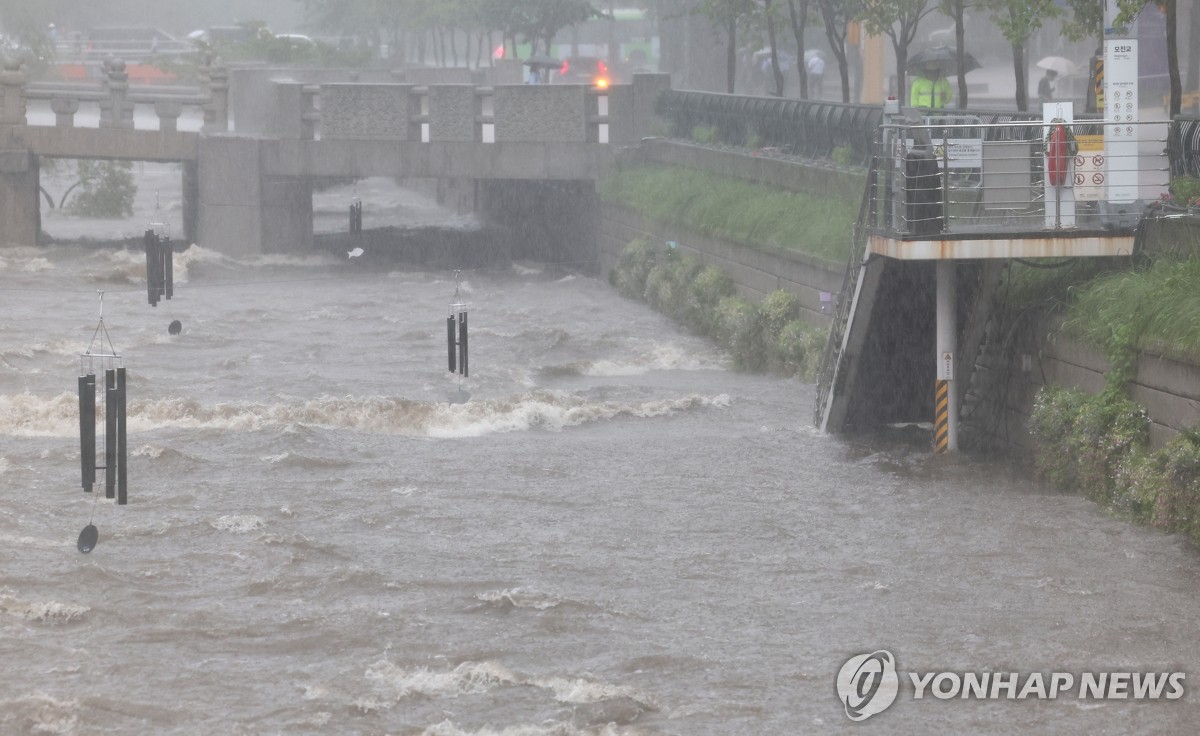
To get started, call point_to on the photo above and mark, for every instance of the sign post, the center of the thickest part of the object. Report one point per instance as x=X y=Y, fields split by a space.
x=1121 y=117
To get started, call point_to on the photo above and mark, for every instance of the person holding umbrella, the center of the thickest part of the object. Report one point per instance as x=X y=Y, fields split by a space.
x=1046 y=86
x=930 y=89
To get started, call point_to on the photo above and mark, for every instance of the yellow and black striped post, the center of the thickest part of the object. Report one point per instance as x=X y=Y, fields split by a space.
x=941 y=422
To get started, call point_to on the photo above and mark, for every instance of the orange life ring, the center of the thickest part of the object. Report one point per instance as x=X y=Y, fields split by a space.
x=1057 y=156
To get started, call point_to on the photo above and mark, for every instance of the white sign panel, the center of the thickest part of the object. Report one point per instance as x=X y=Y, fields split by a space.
x=957 y=153
x=1121 y=116
x=946 y=367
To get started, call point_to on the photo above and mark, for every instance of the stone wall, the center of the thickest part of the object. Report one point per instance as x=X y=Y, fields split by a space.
x=542 y=113
x=756 y=271
x=253 y=107
x=369 y=112
x=1041 y=355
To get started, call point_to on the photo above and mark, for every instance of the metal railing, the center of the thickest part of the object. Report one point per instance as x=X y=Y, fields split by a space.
x=804 y=128
x=963 y=178
x=831 y=357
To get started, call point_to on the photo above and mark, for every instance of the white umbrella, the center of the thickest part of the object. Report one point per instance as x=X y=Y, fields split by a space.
x=1057 y=64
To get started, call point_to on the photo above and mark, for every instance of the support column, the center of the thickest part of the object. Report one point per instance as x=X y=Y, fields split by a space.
x=945 y=423
x=20 y=203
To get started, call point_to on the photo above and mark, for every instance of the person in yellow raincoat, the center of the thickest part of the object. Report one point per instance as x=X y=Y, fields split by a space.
x=930 y=89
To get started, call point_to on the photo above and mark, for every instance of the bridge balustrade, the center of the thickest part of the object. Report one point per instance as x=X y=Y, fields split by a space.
x=116 y=98
x=557 y=113
x=958 y=176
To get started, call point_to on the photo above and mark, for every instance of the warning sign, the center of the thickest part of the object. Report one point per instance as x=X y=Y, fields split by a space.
x=1091 y=169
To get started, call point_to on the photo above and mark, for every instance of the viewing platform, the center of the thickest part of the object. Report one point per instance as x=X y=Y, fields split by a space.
x=949 y=199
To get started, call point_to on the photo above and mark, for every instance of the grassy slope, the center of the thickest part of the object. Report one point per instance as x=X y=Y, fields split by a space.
x=737 y=210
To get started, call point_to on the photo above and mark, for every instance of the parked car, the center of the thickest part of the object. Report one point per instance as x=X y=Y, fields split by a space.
x=585 y=70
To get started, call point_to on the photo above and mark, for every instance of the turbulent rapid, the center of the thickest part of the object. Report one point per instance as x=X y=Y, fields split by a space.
x=617 y=534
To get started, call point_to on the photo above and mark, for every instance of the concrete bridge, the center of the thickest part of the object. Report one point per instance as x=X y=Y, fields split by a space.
x=248 y=171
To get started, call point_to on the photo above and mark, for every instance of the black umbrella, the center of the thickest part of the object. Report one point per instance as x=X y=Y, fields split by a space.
x=941 y=58
x=542 y=61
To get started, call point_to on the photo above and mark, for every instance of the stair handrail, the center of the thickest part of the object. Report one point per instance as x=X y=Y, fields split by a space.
x=832 y=354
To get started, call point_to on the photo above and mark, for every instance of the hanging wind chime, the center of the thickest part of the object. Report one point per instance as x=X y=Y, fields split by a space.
x=160 y=267
x=456 y=341
x=101 y=356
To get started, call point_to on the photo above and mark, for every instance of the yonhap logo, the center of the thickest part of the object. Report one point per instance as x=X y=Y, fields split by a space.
x=867 y=684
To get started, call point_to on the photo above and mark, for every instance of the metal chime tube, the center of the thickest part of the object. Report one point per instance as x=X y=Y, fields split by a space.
x=453 y=363
x=462 y=343
x=150 y=240
x=168 y=260
x=87 y=430
x=121 y=453
x=110 y=432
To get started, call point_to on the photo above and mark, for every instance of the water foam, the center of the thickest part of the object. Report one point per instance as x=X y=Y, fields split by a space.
x=238 y=524
x=519 y=598
x=39 y=713
x=28 y=415
x=393 y=683
x=50 y=612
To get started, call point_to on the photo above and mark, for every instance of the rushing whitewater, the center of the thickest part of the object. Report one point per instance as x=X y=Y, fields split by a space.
x=617 y=535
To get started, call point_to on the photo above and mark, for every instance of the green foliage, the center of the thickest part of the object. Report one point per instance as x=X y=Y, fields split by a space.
x=769 y=336
x=842 y=156
x=738 y=329
x=724 y=207
x=1088 y=443
x=1030 y=285
x=705 y=134
x=1156 y=307
x=1185 y=189
x=106 y=189
x=1099 y=445
x=635 y=264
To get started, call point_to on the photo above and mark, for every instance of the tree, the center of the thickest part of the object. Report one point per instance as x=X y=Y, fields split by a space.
x=837 y=15
x=899 y=19
x=541 y=20
x=772 y=43
x=957 y=11
x=1017 y=21
x=798 y=14
x=728 y=15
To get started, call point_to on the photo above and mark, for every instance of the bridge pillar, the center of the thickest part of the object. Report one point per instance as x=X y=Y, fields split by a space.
x=20 y=208
x=12 y=111
x=120 y=109
x=239 y=209
x=646 y=89
x=228 y=195
x=216 y=112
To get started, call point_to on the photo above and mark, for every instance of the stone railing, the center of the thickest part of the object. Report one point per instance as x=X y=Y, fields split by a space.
x=556 y=113
x=117 y=99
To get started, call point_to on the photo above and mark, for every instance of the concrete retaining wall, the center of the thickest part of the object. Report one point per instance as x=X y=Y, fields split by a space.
x=1168 y=389
x=756 y=272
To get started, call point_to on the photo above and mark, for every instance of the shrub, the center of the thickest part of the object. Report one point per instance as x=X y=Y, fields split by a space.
x=705 y=133
x=106 y=189
x=777 y=309
x=797 y=350
x=1185 y=189
x=842 y=156
x=738 y=328
x=1090 y=443
x=707 y=289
